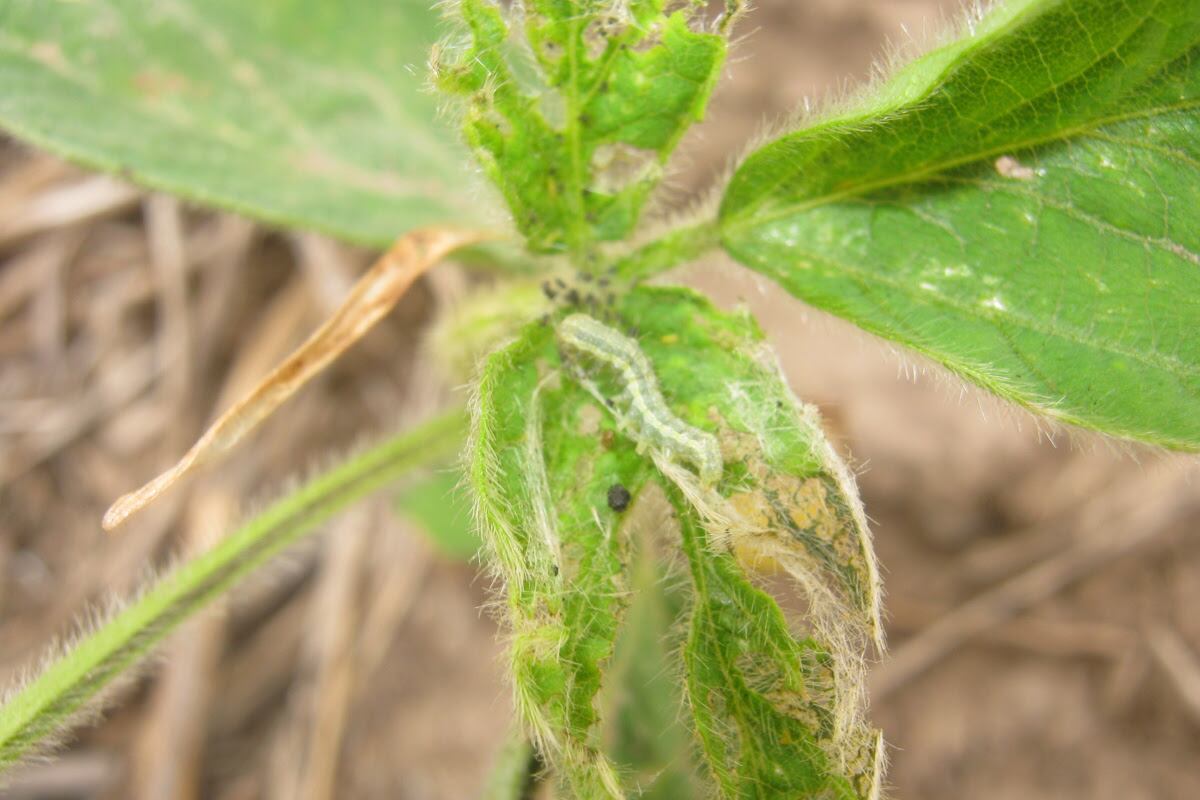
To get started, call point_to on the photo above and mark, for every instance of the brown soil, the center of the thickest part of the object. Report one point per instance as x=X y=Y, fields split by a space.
x=1039 y=583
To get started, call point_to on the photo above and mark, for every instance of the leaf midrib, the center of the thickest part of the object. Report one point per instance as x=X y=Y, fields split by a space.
x=751 y=220
x=935 y=85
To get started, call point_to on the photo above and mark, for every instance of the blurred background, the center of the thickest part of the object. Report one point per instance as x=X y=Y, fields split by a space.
x=1042 y=586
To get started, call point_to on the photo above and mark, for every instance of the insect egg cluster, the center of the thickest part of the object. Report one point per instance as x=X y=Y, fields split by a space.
x=584 y=290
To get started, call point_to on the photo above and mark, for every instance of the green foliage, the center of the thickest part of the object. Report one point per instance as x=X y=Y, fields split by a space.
x=552 y=538
x=643 y=705
x=72 y=682
x=304 y=113
x=574 y=115
x=642 y=702
x=1022 y=205
x=544 y=451
x=763 y=701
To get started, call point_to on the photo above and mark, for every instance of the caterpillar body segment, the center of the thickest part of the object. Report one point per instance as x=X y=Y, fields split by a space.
x=642 y=413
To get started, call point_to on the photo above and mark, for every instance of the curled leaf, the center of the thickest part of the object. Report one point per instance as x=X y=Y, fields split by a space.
x=771 y=707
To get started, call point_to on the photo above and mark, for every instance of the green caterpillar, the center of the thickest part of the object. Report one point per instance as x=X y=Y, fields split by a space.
x=645 y=416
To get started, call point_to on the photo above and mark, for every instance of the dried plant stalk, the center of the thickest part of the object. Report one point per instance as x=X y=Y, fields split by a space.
x=372 y=297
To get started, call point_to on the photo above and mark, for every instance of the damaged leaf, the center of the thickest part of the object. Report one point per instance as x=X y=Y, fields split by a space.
x=572 y=106
x=548 y=443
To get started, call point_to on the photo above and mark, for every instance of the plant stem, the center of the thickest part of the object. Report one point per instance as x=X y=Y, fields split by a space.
x=52 y=701
x=677 y=247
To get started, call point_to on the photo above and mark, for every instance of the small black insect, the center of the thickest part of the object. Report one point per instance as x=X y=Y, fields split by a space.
x=618 y=497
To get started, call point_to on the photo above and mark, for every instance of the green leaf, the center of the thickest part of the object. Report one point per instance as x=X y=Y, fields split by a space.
x=72 y=682
x=1022 y=205
x=574 y=119
x=540 y=478
x=438 y=504
x=299 y=112
x=777 y=715
x=544 y=452
x=643 y=704
x=754 y=706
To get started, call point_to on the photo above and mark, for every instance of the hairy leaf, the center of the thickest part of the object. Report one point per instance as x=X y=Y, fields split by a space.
x=543 y=455
x=777 y=715
x=1022 y=205
x=540 y=477
x=643 y=705
x=574 y=107
x=299 y=112
x=754 y=692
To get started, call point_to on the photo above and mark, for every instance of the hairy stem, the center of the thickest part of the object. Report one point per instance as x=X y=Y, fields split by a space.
x=680 y=246
x=63 y=691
